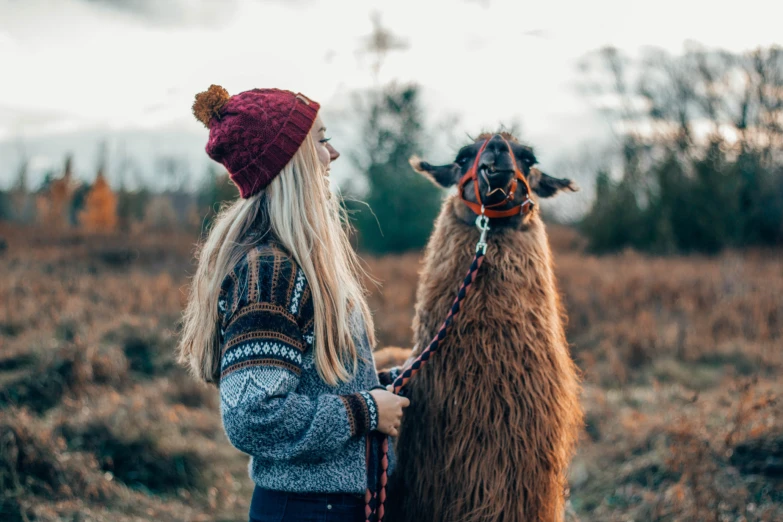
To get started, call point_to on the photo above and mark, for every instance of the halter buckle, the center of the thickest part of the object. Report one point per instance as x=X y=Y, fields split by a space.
x=482 y=222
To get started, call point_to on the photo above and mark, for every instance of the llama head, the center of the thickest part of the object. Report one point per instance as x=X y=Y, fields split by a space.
x=495 y=171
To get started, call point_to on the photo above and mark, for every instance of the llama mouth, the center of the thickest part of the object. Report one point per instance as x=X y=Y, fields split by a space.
x=493 y=191
x=488 y=173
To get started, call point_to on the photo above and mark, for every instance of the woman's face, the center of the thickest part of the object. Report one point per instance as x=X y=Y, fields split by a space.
x=326 y=153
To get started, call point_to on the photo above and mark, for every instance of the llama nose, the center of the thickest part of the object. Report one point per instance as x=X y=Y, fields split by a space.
x=488 y=170
x=496 y=167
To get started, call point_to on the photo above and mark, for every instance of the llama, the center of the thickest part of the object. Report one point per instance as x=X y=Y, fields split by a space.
x=495 y=415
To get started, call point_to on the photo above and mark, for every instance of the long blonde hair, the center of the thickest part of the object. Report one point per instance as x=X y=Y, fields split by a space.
x=299 y=211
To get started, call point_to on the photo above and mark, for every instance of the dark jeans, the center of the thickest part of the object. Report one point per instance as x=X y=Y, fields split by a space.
x=280 y=506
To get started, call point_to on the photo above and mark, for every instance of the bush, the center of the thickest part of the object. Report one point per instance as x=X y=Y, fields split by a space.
x=69 y=370
x=32 y=461
x=185 y=390
x=703 y=204
x=26 y=461
x=136 y=455
x=48 y=381
x=147 y=355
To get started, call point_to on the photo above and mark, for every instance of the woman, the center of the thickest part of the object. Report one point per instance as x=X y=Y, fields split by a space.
x=277 y=317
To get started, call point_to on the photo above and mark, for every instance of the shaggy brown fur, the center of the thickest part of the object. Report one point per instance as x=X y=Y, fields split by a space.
x=495 y=414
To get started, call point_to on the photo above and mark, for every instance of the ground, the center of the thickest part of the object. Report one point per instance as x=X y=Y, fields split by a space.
x=681 y=360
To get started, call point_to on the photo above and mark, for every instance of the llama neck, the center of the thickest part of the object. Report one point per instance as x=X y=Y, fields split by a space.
x=453 y=240
x=517 y=269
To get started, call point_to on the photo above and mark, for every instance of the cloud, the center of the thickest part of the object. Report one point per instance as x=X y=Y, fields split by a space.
x=172 y=12
x=202 y=13
x=18 y=122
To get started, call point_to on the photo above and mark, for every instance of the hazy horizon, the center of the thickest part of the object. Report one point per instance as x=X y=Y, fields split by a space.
x=88 y=71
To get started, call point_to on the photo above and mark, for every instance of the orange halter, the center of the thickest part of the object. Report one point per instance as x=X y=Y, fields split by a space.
x=486 y=210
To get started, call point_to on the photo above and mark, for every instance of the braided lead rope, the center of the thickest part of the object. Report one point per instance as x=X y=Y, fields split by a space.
x=374 y=502
x=402 y=380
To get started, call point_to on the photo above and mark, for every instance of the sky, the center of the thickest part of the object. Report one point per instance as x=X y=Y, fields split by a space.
x=79 y=72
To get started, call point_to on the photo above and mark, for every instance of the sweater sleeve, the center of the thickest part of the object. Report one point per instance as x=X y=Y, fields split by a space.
x=261 y=362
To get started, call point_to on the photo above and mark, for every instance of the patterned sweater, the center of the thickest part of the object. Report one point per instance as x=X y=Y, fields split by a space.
x=302 y=434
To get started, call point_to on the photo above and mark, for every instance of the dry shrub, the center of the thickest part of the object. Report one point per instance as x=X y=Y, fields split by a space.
x=669 y=454
x=149 y=352
x=117 y=257
x=144 y=441
x=69 y=370
x=628 y=311
x=146 y=356
x=760 y=455
x=112 y=254
x=33 y=461
x=29 y=459
x=10 y=329
x=110 y=367
x=11 y=509
x=47 y=383
x=184 y=389
x=100 y=207
x=699 y=491
x=16 y=362
x=138 y=457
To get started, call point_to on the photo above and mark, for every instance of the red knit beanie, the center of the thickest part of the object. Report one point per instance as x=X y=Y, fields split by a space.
x=254 y=134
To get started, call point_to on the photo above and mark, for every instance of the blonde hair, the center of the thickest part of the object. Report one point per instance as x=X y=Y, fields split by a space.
x=298 y=210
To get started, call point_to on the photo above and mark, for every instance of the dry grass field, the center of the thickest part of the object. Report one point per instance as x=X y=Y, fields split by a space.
x=682 y=361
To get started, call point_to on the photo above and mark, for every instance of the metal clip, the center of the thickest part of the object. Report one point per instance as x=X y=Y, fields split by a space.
x=482 y=222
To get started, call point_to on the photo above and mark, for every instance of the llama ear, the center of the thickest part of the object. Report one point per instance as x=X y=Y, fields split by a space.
x=546 y=186
x=443 y=175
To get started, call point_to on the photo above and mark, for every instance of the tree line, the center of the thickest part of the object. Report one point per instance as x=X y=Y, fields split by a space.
x=63 y=202
x=392 y=210
x=697 y=163
x=699 y=141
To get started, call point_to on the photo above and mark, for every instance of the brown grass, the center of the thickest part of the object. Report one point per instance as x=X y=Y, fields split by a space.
x=682 y=360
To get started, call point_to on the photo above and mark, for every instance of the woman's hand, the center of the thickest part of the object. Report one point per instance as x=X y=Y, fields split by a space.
x=389 y=410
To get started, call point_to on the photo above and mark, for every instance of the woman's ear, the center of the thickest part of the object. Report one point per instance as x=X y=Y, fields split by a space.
x=443 y=175
x=546 y=186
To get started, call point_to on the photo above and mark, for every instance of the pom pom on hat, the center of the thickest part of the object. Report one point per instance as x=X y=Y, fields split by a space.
x=209 y=103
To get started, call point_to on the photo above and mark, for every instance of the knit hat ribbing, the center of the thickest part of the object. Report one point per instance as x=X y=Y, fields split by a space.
x=254 y=134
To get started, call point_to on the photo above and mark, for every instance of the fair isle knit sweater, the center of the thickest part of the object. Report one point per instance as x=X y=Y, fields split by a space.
x=302 y=434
